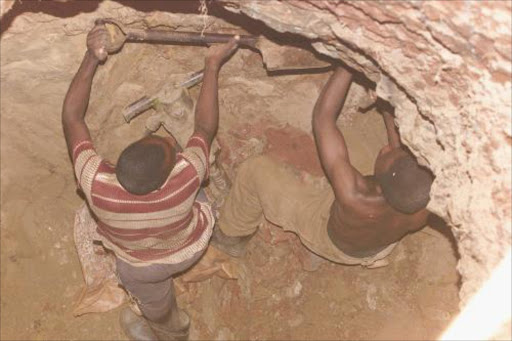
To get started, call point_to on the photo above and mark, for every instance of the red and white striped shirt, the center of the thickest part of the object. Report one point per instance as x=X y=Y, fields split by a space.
x=166 y=226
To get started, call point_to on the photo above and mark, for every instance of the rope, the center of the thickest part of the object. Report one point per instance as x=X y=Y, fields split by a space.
x=203 y=9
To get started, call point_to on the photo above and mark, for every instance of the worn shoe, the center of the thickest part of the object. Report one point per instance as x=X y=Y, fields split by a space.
x=233 y=246
x=136 y=327
x=178 y=330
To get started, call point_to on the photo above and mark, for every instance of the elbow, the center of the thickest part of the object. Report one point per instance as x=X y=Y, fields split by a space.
x=67 y=112
x=324 y=113
x=65 y=118
x=320 y=122
x=69 y=118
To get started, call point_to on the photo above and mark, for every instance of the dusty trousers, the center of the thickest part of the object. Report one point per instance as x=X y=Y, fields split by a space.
x=152 y=286
x=271 y=190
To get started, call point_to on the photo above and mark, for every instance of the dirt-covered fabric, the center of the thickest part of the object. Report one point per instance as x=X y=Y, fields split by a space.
x=101 y=291
x=267 y=189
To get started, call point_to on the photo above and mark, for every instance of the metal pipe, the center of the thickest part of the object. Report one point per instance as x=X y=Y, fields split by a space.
x=192 y=80
x=138 y=107
x=187 y=37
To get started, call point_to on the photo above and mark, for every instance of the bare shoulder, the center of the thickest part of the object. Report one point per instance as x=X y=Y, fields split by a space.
x=363 y=207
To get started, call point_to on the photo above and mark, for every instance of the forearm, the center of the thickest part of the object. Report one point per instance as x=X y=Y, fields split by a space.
x=333 y=95
x=325 y=114
x=77 y=97
x=207 y=108
x=392 y=131
x=76 y=101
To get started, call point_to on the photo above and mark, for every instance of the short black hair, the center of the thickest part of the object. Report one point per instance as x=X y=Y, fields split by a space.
x=141 y=167
x=406 y=185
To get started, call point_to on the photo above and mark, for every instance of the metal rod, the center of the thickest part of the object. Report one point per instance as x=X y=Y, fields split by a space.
x=192 y=80
x=138 y=107
x=187 y=37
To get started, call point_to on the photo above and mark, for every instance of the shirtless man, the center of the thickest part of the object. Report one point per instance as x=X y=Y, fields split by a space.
x=356 y=220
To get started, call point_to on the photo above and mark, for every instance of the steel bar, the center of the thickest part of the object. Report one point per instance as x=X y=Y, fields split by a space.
x=186 y=37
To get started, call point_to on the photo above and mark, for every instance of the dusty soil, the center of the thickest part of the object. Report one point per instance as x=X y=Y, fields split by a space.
x=415 y=297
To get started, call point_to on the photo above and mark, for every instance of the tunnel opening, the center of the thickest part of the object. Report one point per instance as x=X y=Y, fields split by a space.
x=280 y=290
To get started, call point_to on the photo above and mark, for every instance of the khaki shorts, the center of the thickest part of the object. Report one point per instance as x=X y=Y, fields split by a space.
x=267 y=189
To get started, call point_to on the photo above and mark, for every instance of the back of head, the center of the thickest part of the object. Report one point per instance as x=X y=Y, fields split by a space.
x=406 y=185
x=143 y=167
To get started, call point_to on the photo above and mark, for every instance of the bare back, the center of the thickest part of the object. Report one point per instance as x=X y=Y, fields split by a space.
x=365 y=224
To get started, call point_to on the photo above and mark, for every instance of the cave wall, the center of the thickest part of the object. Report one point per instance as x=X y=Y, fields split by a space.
x=446 y=68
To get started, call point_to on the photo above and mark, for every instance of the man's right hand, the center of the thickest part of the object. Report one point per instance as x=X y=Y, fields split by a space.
x=219 y=54
x=97 y=41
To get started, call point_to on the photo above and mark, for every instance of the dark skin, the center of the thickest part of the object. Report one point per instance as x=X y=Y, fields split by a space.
x=361 y=222
x=77 y=97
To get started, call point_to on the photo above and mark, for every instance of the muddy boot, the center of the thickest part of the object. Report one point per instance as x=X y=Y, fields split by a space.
x=174 y=327
x=233 y=246
x=136 y=327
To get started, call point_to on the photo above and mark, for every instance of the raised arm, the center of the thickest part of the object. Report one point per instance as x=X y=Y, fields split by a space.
x=77 y=97
x=393 y=137
x=207 y=108
x=330 y=143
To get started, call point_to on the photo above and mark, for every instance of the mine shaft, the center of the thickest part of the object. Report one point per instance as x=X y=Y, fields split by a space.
x=338 y=171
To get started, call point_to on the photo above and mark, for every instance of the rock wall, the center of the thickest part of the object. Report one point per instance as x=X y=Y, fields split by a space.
x=446 y=68
x=5 y=6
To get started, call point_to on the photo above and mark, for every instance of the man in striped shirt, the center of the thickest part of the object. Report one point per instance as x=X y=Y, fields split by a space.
x=147 y=206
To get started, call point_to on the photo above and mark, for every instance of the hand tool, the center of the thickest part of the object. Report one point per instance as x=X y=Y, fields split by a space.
x=276 y=57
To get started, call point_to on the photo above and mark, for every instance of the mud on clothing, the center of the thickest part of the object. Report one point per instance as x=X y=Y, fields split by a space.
x=267 y=189
x=167 y=226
